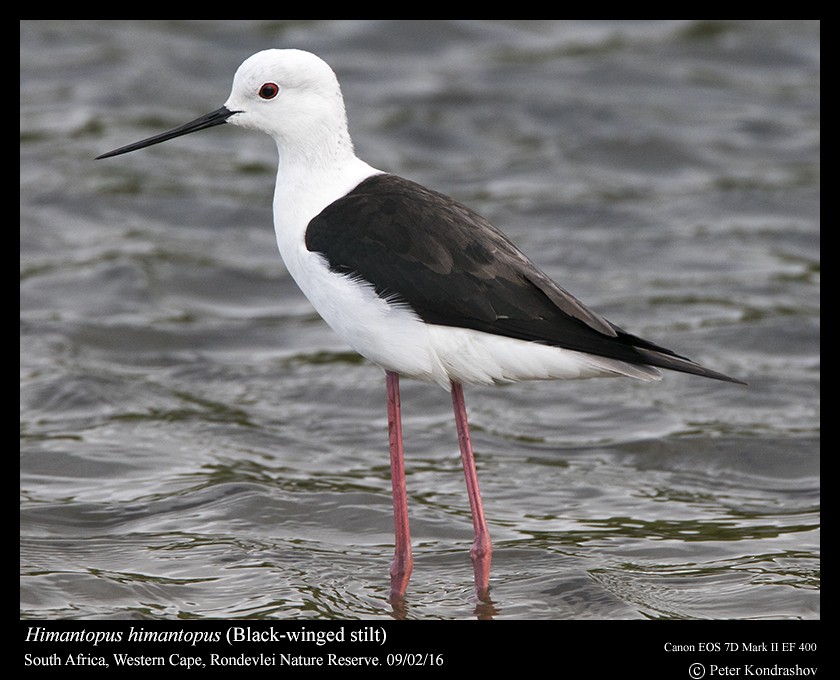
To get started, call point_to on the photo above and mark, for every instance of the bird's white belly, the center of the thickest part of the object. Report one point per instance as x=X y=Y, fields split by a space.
x=394 y=337
x=389 y=335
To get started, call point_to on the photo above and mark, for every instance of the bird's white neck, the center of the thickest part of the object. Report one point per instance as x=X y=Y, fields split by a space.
x=308 y=180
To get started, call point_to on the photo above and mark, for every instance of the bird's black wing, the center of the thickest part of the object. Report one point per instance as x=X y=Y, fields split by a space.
x=452 y=267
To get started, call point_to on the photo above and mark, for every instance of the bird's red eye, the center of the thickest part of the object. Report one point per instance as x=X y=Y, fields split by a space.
x=269 y=90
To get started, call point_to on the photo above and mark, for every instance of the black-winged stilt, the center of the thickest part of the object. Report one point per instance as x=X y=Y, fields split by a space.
x=411 y=279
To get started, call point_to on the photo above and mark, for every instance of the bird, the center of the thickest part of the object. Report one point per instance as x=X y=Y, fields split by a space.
x=411 y=279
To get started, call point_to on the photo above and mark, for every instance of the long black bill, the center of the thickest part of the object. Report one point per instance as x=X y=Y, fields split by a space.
x=212 y=119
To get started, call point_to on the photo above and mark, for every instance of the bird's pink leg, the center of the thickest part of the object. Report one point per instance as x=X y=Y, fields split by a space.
x=482 y=549
x=403 y=561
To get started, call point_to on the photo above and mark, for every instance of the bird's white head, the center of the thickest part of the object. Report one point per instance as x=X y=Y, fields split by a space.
x=289 y=94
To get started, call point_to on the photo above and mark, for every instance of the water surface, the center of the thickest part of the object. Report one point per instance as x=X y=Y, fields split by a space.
x=196 y=443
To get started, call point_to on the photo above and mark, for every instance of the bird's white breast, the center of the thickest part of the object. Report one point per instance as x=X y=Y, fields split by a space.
x=390 y=336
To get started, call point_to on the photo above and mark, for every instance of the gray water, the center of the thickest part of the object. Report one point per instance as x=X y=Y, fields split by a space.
x=196 y=443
